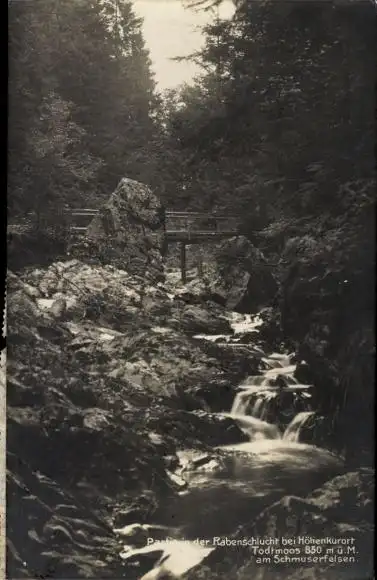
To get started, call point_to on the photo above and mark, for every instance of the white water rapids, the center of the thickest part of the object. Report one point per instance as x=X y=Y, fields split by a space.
x=272 y=409
x=259 y=395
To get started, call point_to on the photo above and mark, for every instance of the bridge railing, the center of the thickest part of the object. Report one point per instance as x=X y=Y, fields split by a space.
x=199 y=222
x=175 y=221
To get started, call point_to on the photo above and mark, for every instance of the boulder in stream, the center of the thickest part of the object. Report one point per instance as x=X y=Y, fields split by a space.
x=241 y=280
x=198 y=427
x=340 y=512
x=195 y=319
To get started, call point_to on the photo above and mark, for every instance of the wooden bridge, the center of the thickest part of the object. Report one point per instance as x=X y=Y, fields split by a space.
x=182 y=227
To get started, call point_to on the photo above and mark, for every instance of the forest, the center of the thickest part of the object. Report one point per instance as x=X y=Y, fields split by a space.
x=277 y=127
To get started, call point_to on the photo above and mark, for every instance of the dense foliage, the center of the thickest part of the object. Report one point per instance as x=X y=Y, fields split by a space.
x=82 y=103
x=284 y=112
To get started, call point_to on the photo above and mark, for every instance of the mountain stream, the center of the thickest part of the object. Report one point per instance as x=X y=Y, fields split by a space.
x=219 y=490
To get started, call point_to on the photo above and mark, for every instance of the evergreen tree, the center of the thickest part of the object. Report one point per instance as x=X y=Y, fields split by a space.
x=82 y=102
x=284 y=107
x=107 y=74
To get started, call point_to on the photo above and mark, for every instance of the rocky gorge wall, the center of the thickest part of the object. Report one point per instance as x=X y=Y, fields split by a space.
x=102 y=374
x=107 y=383
x=326 y=303
x=324 y=306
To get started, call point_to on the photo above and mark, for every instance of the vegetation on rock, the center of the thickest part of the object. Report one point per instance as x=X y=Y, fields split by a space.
x=106 y=378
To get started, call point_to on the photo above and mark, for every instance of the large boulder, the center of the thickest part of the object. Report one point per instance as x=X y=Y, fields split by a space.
x=341 y=510
x=129 y=231
x=242 y=280
x=194 y=319
x=348 y=497
x=197 y=428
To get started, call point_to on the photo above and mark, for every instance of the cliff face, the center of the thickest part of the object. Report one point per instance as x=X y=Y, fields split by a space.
x=326 y=303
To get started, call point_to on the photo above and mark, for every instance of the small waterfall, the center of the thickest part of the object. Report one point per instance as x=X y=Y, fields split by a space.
x=259 y=407
x=253 y=396
x=292 y=432
x=256 y=400
x=275 y=394
x=256 y=428
x=248 y=475
x=265 y=405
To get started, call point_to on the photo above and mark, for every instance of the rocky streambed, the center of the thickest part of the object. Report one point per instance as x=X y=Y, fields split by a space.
x=144 y=420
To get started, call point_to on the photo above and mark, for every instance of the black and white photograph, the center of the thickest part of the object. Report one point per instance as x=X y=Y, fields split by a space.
x=188 y=383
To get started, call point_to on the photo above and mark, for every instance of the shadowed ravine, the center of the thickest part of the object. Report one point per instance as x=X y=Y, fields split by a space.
x=190 y=347
x=166 y=421
x=219 y=488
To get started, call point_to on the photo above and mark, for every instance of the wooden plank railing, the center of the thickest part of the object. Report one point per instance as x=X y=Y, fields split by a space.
x=189 y=224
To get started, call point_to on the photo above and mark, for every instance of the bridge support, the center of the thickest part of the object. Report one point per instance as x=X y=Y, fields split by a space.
x=183 y=262
x=200 y=265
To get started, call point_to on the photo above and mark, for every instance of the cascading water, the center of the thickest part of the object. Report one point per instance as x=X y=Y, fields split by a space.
x=257 y=396
x=292 y=432
x=271 y=409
